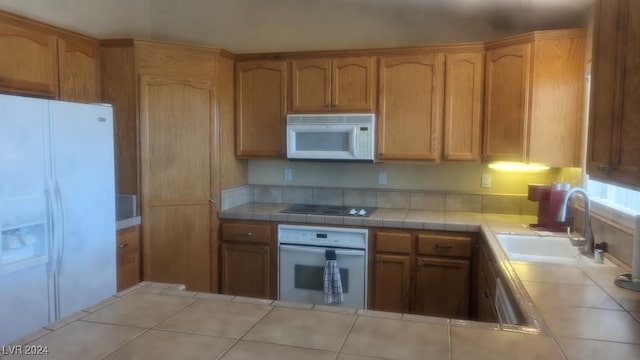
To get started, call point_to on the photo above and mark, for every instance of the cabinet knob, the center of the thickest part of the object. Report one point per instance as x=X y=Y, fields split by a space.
x=421 y=263
x=485 y=294
x=603 y=167
x=213 y=201
x=484 y=156
x=121 y=246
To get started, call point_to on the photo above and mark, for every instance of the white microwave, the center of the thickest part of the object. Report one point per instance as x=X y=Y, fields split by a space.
x=346 y=137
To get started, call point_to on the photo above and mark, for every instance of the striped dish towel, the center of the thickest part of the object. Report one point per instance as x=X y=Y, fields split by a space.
x=332 y=281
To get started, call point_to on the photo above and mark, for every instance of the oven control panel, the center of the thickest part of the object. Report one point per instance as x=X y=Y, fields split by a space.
x=323 y=236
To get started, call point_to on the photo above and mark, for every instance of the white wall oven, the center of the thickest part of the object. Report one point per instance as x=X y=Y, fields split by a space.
x=302 y=257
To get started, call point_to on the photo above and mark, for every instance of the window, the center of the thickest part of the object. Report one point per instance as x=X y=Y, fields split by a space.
x=617 y=197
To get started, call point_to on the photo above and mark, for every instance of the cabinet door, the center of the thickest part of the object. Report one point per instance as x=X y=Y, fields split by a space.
x=463 y=106
x=353 y=84
x=245 y=270
x=442 y=287
x=128 y=257
x=392 y=283
x=261 y=98
x=506 y=103
x=79 y=69
x=176 y=144
x=310 y=85
x=486 y=310
x=32 y=67
x=410 y=116
x=614 y=135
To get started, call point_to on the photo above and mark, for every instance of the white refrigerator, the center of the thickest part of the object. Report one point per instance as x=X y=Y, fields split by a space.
x=57 y=211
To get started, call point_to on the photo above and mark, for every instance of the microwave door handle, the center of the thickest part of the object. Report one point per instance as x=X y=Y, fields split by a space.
x=320 y=250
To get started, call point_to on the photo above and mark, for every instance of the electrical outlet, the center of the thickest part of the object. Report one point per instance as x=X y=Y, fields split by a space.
x=288 y=175
x=382 y=178
x=486 y=181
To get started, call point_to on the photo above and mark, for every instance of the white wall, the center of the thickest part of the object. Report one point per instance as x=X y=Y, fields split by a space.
x=288 y=25
x=284 y=25
x=101 y=19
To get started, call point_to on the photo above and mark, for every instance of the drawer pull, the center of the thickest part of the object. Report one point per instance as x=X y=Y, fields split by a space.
x=444 y=246
x=247 y=234
x=485 y=294
x=121 y=246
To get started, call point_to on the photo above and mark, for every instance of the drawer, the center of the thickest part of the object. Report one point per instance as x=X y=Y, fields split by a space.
x=246 y=232
x=393 y=242
x=444 y=245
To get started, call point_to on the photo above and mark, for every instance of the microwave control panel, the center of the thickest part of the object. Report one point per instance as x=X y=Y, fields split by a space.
x=364 y=142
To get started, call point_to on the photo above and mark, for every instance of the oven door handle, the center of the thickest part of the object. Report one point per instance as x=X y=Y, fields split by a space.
x=320 y=250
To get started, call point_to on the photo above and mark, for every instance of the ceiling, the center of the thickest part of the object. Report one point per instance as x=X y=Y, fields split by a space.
x=243 y=26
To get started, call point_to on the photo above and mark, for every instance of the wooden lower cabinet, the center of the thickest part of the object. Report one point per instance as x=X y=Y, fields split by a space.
x=128 y=257
x=246 y=270
x=485 y=306
x=422 y=272
x=248 y=259
x=392 y=291
x=442 y=287
x=485 y=287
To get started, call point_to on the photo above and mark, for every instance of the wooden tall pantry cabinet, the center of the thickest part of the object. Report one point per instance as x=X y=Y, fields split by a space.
x=170 y=98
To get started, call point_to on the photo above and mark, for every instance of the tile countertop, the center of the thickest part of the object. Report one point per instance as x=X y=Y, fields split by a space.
x=585 y=314
x=128 y=222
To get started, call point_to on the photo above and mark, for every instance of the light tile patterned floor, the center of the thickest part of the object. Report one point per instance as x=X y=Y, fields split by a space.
x=168 y=324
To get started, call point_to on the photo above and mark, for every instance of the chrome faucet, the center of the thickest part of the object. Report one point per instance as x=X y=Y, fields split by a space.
x=587 y=249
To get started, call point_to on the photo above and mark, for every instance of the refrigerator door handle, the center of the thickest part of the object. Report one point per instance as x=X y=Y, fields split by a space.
x=61 y=225
x=51 y=233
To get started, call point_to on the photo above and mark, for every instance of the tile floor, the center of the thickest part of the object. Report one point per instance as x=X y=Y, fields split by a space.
x=162 y=323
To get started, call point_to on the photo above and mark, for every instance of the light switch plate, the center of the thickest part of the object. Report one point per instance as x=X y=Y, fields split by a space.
x=486 y=181
x=288 y=175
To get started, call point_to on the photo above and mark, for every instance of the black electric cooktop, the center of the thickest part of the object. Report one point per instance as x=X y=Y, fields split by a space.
x=335 y=210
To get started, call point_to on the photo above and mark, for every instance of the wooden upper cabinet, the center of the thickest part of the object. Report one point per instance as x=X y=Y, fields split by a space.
x=506 y=105
x=340 y=84
x=533 y=98
x=79 y=69
x=32 y=67
x=261 y=98
x=310 y=85
x=614 y=124
x=353 y=84
x=410 y=107
x=463 y=106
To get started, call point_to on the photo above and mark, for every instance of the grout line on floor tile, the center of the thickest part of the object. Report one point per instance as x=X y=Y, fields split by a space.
x=450 y=342
x=344 y=341
x=235 y=341
x=193 y=301
x=125 y=343
x=257 y=322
